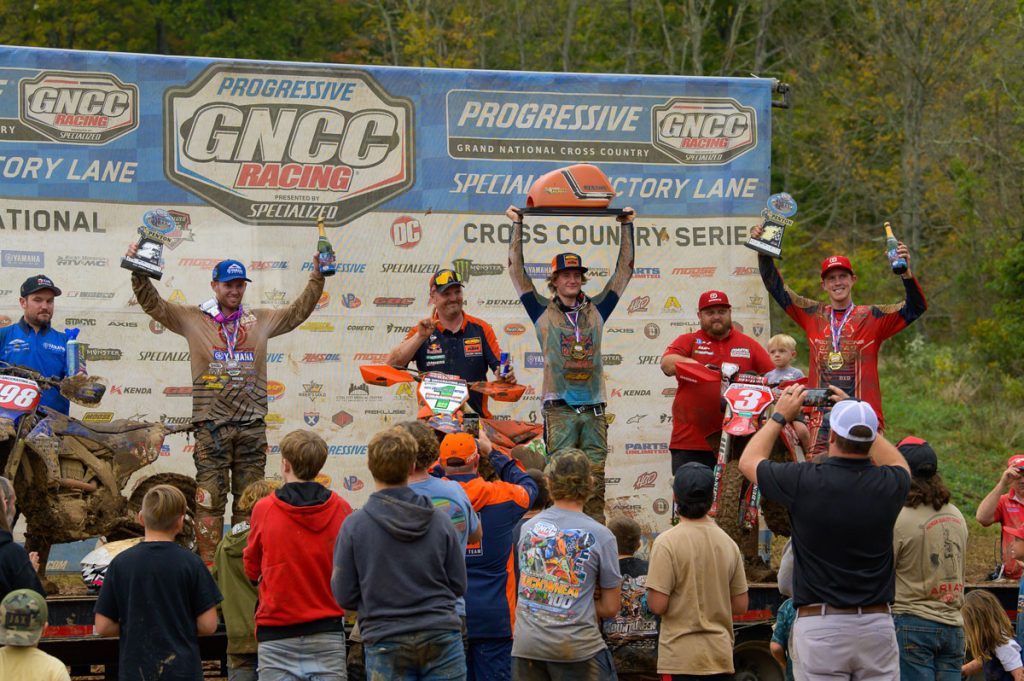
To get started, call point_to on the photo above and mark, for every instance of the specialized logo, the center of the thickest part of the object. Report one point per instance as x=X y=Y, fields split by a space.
x=406 y=232
x=284 y=145
x=704 y=130
x=79 y=108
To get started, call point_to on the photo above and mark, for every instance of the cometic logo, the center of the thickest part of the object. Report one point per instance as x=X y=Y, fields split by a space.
x=704 y=130
x=79 y=108
x=284 y=145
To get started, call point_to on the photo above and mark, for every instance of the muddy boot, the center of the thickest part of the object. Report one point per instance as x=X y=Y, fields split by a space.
x=594 y=506
x=208 y=533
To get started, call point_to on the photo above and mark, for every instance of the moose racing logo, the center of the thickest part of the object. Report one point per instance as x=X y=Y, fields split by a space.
x=79 y=108
x=277 y=145
x=704 y=130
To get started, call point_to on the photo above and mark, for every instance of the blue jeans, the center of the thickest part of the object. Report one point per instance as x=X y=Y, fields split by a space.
x=317 y=657
x=929 y=650
x=433 y=655
x=598 y=668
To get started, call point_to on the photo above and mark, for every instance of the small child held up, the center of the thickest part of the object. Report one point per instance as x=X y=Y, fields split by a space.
x=782 y=350
x=158 y=596
x=989 y=637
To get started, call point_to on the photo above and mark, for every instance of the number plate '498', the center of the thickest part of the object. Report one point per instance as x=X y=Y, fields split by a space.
x=18 y=394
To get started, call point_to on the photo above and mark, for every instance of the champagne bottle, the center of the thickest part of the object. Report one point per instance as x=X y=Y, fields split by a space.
x=898 y=264
x=324 y=250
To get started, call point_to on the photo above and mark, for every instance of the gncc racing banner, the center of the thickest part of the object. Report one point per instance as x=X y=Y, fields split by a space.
x=412 y=170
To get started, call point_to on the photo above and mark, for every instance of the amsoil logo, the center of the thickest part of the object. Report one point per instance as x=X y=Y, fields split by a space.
x=79 y=108
x=283 y=145
x=704 y=130
x=406 y=232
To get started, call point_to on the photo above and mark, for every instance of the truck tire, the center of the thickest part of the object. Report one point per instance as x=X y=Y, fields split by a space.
x=754 y=662
x=186 y=484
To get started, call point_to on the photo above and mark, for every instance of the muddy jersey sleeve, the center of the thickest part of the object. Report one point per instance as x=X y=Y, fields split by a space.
x=534 y=302
x=801 y=310
x=173 y=316
x=608 y=298
x=894 y=318
x=287 y=318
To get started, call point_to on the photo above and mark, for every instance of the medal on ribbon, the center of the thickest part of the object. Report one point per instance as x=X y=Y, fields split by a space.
x=835 y=358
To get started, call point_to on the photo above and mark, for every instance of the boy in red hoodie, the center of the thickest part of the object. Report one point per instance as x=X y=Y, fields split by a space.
x=300 y=630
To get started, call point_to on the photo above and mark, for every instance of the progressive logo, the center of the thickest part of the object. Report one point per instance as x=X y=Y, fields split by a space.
x=284 y=145
x=704 y=130
x=79 y=108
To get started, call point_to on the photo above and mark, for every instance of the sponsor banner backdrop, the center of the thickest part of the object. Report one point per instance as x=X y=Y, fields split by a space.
x=412 y=170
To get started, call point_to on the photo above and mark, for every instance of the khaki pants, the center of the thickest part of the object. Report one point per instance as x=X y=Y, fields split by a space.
x=228 y=457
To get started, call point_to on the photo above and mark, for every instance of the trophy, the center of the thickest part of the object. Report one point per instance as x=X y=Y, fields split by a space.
x=154 y=233
x=580 y=189
x=774 y=219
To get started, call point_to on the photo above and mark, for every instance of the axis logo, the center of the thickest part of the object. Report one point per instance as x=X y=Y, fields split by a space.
x=704 y=130
x=284 y=145
x=79 y=108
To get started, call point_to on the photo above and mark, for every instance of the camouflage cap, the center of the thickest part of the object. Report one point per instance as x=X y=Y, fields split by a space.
x=23 y=616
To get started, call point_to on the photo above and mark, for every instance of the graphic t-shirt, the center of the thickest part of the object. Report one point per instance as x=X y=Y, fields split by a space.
x=1009 y=513
x=784 y=619
x=448 y=496
x=929 y=548
x=563 y=557
x=634 y=621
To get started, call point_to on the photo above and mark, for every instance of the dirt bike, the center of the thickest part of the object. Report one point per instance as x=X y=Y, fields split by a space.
x=442 y=399
x=68 y=475
x=747 y=398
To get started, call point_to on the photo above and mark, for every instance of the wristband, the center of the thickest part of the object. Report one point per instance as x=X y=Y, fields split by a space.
x=780 y=419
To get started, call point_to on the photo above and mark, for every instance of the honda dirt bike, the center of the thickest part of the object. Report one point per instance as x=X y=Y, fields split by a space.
x=442 y=399
x=747 y=399
x=68 y=475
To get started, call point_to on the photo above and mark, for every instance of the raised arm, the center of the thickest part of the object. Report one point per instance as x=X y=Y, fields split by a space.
x=403 y=353
x=286 y=319
x=516 y=265
x=608 y=298
x=170 y=315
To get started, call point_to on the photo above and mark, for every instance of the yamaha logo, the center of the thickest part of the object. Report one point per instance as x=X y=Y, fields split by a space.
x=79 y=108
x=704 y=130
x=282 y=145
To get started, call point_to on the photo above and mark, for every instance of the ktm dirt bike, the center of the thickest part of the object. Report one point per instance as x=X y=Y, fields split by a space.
x=68 y=475
x=442 y=403
x=747 y=399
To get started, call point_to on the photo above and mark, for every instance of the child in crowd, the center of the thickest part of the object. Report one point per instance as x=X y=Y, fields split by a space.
x=158 y=597
x=540 y=502
x=405 y=588
x=300 y=629
x=240 y=594
x=566 y=558
x=779 y=645
x=990 y=643
x=632 y=635
x=17 y=567
x=23 y=614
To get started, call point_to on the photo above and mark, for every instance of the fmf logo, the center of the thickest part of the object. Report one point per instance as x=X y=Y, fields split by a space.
x=79 y=108
x=704 y=130
x=280 y=145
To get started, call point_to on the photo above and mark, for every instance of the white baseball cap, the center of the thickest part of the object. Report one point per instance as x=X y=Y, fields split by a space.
x=849 y=414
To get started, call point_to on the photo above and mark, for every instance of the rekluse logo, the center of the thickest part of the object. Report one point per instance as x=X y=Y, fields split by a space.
x=285 y=145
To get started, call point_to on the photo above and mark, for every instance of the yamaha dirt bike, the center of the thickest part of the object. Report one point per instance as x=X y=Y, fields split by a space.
x=747 y=399
x=442 y=399
x=68 y=475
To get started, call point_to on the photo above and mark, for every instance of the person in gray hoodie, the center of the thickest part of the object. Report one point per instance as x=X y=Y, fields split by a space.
x=407 y=575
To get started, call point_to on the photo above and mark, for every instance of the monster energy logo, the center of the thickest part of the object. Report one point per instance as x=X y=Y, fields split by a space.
x=466 y=268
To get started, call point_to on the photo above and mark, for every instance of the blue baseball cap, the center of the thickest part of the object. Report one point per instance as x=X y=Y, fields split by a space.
x=229 y=270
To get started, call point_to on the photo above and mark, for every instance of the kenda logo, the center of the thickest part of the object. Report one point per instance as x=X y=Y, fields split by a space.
x=285 y=145
x=704 y=130
x=79 y=108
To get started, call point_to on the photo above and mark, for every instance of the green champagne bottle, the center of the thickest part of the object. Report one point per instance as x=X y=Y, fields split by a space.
x=324 y=250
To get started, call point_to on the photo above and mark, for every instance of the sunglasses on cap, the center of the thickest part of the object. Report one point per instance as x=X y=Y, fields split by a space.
x=446 y=277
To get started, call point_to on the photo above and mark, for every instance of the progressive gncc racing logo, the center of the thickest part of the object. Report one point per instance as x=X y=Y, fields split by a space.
x=704 y=130
x=79 y=108
x=277 y=145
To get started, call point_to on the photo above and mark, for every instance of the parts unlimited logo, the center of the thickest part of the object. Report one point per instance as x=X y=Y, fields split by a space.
x=280 y=145
x=79 y=108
